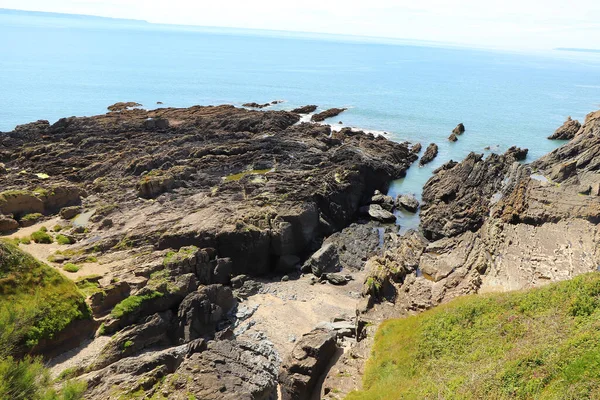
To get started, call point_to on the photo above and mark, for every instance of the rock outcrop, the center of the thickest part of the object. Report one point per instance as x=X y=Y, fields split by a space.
x=306 y=363
x=567 y=131
x=179 y=203
x=330 y=113
x=305 y=109
x=459 y=130
x=497 y=224
x=430 y=153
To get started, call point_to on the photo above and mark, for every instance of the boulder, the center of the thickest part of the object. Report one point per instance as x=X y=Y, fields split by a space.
x=70 y=212
x=407 y=201
x=459 y=130
x=377 y=213
x=430 y=153
x=103 y=301
x=453 y=137
x=308 y=360
x=416 y=148
x=386 y=202
x=323 y=260
x=7 y=224
x=567 y=131
x=305 y=109
x=201 y=311
x=335 y=279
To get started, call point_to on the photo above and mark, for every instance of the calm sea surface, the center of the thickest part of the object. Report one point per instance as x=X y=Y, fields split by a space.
x=55 y=66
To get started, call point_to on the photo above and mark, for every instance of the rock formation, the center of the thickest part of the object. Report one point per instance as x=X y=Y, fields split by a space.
x=305 y=109
x=567 y=131
x=430 y=153
x=179 y=204
x=330 y=113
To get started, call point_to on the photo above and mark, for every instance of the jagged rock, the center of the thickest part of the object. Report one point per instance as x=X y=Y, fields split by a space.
x=7 y=224
x=238 y=281
x=459 y=130
x=518 y=153
x=256 y=105
x=416 y=148
x=332 y=112
x=357 y=243
x=200 y=311
x=376 y=212
x=386 y=202
x=567 y=131
x=324 y=260
x=103 y=301
x=456 y=199
x=407 y=201
x=303 y=367
x=70 y=212
x=122 y=106
x=2 y=169
x=453 y=137
x=305 y=109
x=430 y=153
x=151 y=332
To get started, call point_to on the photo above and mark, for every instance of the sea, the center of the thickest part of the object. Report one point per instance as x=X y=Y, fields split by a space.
x=56 y=65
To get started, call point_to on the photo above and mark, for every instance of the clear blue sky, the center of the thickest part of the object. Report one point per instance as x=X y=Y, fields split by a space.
x=516 y=24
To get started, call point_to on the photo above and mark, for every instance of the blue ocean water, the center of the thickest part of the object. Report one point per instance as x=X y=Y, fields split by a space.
x=53 y=66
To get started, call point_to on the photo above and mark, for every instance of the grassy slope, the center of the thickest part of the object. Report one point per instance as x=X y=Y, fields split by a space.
x=36 y=301
x=537 y=344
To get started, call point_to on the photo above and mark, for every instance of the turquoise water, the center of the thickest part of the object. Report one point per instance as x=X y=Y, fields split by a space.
x=52 y=67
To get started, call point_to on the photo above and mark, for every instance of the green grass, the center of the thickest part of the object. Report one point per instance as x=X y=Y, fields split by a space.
x=70 y=267
x=64 y=240
x=537 y=344
x=132 y=303
x=41 y=236
x=36 y=301
x=182 y=254
x=31 y=217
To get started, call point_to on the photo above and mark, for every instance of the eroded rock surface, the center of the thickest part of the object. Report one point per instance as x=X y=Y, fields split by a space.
x=567 y=131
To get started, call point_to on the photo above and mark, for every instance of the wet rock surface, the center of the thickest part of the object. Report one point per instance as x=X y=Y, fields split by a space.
x=330 y=113
x=430 y=153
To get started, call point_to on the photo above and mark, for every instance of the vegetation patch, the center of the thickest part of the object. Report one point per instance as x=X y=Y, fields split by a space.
x=176 y=256
x=537 y=344
x=36 y=302
x=31 y=217
x=64 y=240
x=42 y=236
x=133 y=303
x=70 y=267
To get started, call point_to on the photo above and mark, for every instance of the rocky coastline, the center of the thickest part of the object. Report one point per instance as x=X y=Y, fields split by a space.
x=244 y=254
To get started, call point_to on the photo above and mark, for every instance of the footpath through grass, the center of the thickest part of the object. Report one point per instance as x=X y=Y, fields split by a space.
x=537 y=344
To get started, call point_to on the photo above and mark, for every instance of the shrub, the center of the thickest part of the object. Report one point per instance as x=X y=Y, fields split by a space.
x=70 y=267
x=64 y=240
x=41 y=237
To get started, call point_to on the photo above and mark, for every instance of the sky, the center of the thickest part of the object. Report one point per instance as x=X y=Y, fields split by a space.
x=510 y=24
